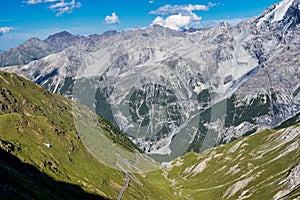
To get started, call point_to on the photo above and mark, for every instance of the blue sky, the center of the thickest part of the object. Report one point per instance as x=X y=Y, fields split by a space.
x=22 y=19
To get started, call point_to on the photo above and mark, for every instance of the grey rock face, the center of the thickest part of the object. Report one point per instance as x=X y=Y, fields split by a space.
x=173 y=92
x=292 y=182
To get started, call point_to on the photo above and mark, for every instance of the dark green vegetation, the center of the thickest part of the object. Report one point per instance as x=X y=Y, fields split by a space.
x=296 y=92
x=150 y=95
x=234 y=112
x=102 y=107
x=289 y=122
x=67 y=87
x=258 y=106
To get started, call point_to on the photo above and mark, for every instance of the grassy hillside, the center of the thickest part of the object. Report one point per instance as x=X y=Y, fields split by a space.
x=265 y=165
x=32 y=118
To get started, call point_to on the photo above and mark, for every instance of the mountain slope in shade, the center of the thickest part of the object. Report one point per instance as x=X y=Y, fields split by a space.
x=171 y=91
x=20 y=180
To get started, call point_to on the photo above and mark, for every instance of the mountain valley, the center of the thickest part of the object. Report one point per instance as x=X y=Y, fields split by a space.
x=158 y=84
x=42 y=148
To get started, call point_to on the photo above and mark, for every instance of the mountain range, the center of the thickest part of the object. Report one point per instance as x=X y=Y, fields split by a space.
x=173 y=92
x=35 y=49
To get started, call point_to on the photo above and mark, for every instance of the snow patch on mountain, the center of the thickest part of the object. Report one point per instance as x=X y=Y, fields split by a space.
x=277 y=13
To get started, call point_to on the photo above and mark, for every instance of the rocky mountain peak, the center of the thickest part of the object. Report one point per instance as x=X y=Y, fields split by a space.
x=34 y=41
x=61 y=40
x=105 y=35
x=283 y=15
x=224 y=24
x=61 y=34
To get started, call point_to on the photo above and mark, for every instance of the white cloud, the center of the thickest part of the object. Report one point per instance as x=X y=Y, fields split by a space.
x=58 y=6
x=210 y=4
x=176 y=9
x=177 y=22
x=5 y=30
x=151 y=1
x=179 y=17
x=113 y=19
x=64 y=7
x=34 y=1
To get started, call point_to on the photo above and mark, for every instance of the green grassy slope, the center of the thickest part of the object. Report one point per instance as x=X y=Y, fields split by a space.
x=253 y=167
x=31 y=117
